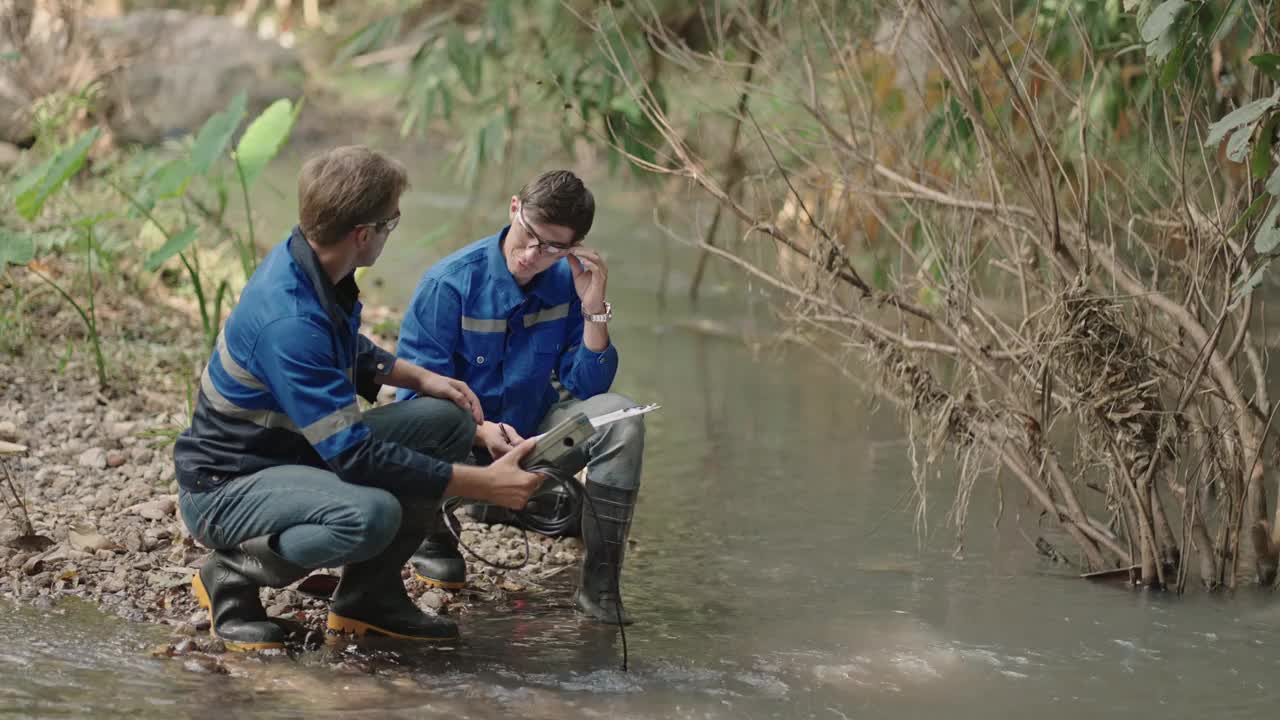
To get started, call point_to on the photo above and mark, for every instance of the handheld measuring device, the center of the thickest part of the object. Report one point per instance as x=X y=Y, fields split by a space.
x=556 y=445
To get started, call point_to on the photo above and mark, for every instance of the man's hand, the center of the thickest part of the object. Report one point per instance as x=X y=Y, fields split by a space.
x=497 y=438
x=512 y=485
x=590 y=276
x=446 y=388
x=502 y=483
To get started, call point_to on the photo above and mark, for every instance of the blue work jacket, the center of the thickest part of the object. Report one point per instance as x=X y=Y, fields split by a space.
x=470 y=320
x=280 y=387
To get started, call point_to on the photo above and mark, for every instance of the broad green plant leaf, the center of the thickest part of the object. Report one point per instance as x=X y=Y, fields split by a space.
x=170 y=179
x=215 y=135
x=174 y=245
x=264 y=137
x=1159 y=31
x=16 y=248
x=1268 y=63
x=35 y=188
x=1245 y=114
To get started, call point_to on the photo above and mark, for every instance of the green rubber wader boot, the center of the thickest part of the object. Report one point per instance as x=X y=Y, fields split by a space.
x=606 y=519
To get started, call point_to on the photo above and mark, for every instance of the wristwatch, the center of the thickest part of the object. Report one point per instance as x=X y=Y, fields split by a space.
x=606 y=316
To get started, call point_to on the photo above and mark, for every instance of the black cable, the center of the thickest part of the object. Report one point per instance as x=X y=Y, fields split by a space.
x=448 y=507
x=577 y=492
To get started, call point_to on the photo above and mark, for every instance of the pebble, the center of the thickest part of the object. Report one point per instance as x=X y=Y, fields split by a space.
x=91 y=468
x=158 y=509
x=95 y=458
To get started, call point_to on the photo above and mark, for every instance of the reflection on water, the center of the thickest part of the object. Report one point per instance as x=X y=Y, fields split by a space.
x=775 y=574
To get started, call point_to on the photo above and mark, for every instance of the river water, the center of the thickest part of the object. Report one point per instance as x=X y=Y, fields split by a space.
x=776 y=572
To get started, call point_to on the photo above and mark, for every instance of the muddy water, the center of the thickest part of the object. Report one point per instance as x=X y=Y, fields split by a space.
x=775 y=573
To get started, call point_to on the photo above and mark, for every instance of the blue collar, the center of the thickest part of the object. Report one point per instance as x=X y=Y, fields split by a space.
x=338 y=301
x=507 y=292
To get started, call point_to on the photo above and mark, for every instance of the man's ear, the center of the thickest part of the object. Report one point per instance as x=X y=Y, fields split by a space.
x=361 y=237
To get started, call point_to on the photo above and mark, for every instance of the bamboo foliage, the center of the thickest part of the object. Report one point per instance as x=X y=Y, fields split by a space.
x=1058 y=299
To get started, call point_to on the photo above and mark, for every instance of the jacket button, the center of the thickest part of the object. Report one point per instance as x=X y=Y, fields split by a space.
x=479 y=359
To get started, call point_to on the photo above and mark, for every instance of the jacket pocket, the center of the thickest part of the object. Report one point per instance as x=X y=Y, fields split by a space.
x=482 y=350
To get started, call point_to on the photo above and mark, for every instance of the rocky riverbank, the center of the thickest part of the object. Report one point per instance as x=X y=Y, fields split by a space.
x=92 y=472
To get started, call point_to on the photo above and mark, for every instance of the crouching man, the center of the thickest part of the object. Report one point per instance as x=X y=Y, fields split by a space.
x=281 y=473
x=506 y=315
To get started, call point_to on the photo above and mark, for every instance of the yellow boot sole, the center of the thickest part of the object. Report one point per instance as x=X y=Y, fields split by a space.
x=202 y=597
x=339 y=626
x=440 y=583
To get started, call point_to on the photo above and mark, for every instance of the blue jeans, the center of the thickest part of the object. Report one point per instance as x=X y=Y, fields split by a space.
x=320 y=520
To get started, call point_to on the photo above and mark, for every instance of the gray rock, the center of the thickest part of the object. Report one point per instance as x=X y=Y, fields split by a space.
x=184 y=67
x=95 y=458
x=9 y=155
x=432 y=599
x=158 y=509
x=8 y=429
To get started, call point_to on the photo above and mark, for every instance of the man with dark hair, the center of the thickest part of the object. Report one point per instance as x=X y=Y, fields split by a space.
x=506 y=314
x=280 y=472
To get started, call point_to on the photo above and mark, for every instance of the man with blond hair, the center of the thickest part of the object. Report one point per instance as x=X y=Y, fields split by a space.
x=280 y=472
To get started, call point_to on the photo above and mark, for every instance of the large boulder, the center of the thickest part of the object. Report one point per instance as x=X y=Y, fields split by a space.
x=42 y=51
x=178 y=68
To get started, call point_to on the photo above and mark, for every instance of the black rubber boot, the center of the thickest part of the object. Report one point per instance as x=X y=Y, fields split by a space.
x=227 y=585
x=371 y=597
x=437 y=561
x=606 y=519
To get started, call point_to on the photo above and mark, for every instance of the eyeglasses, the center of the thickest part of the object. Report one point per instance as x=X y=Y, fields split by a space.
x=543 y=246
x=386 y=225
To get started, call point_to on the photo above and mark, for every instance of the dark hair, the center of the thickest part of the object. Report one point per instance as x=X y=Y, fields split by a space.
x=558 y=197
x=344 y=187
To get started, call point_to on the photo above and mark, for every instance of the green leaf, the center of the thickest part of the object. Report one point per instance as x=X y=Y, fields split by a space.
x=1261 y=163
x=1159 y=32
x=16 y=248
x=1247 y=113
x=10 y=56
x=1246 y=287
x=264 y=137
x=1238 y=145
x=1227 y=21
x=1254 y=208
x=466 y=60
x=1268 y=63
x=34 y=189
x=367 y=38
x=170 y=179
x=174 y=245
x=1268 y=237
x=215 y=135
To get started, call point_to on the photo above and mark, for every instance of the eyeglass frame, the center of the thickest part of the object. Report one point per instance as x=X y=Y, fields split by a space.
x=540 y=244
x=390 y=224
